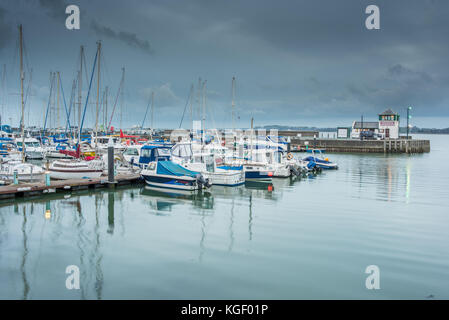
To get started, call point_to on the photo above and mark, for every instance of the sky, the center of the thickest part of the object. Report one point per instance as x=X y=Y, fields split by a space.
x=297 y=63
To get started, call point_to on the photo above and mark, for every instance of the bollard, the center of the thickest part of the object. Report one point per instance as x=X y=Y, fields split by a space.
x=110 y=163
x=47 y=179
x=15 y=177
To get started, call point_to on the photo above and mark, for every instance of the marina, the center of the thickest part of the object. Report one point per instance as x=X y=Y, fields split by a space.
x=223 y=151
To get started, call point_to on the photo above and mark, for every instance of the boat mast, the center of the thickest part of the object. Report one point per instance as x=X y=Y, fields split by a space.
x=3 y=94
x=98 y=92
x=57 y=102
x=233 y=103
x=152 y=114
x=191 y=106
x=22 y=76
x=80 y=85
x=251 y=143
x=203 y=117
x=121 y=96
x=199 y=98
x=106 y=109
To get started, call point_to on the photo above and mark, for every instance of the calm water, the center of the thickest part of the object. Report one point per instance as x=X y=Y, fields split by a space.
x=304 y=239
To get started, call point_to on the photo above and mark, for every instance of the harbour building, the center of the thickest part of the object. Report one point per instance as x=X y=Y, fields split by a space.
x=387 y=127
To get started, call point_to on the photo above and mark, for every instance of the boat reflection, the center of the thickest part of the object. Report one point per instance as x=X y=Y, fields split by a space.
x=162 y=200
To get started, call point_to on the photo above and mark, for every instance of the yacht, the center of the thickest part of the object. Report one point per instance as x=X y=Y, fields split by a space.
x=33 y=148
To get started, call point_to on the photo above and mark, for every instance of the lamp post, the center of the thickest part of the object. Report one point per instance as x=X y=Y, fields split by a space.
x=361 y=129
x=408 y=118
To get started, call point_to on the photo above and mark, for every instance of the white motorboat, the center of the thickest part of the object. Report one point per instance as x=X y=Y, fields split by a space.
x=76 y=169
x=25 y=171
x=132 y=154
x=210 y=165
x=158 y=171
x=53 y=151
x=33 y=148
x=104 y=142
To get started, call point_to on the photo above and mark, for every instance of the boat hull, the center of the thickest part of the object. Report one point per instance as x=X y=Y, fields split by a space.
x=258 y=175
x=170 y=182
x=24 y=177
x=60 y=174
x=225 y=179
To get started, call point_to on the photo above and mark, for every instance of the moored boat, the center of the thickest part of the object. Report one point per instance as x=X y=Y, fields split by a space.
x=24 y=171
x=170 y=175
x=75 y=169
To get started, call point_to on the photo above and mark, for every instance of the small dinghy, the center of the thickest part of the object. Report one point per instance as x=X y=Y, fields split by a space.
x=321 y=162
x=75 y=169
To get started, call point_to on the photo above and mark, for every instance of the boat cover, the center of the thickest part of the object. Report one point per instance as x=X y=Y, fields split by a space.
x=174 y=169
x=315 y=159
x=231 y=167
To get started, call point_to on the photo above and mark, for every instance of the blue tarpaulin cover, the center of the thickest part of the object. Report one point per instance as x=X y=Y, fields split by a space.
x=173 y=169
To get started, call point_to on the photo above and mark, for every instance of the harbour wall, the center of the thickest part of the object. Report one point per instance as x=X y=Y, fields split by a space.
x=369 y=146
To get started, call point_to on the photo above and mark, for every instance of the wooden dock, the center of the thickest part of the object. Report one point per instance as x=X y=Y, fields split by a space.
x=39 y=188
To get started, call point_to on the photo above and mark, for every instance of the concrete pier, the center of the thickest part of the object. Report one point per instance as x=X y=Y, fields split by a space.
x=367 y=146
x=40 y=188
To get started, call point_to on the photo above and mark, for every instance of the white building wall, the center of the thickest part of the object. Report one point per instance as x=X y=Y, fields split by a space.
x=393 y=126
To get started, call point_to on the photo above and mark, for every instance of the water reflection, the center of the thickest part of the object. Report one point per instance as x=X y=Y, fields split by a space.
x=222 y=232
x=26 y=286
x=111 y=200
x=161 y=200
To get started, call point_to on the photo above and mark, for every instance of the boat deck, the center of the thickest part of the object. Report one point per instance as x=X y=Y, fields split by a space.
x=39 y=188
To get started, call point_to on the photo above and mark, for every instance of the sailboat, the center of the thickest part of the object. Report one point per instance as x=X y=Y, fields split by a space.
x=78 y=168
x=23 y=171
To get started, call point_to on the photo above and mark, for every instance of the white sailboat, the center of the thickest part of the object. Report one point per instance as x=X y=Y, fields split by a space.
x=10 y=168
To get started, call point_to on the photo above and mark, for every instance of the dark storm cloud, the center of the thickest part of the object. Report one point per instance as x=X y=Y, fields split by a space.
x=5 y=29
x=295 y=61
x=54 y=8
x=129 y=38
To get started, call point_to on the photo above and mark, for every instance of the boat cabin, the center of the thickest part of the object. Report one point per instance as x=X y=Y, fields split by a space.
x=153 y=153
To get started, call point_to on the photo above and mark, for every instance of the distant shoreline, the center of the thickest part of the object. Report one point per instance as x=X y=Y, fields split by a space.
x=413 y=130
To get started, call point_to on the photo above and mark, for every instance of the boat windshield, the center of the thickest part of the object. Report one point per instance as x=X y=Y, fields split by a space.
x=163 y=152
x=131 y=152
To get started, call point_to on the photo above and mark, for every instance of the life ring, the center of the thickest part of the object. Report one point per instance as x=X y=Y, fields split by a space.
x=289 y=156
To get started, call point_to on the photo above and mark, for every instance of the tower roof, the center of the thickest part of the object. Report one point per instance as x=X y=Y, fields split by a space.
x=388 y=112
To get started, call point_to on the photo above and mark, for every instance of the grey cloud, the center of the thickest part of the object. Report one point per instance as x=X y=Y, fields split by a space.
x=54 y=8
x=129 y=38
x=5 y=29
x=399 y=71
